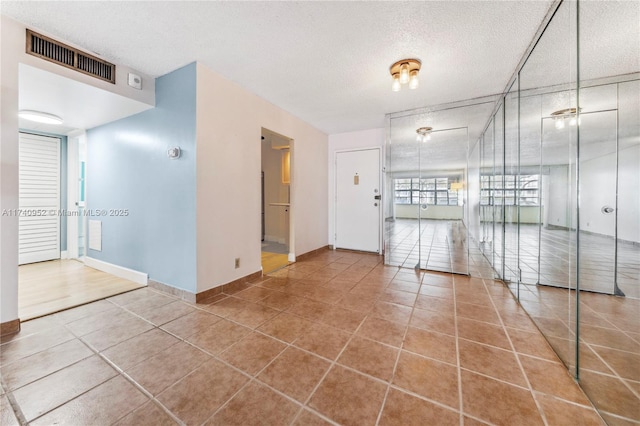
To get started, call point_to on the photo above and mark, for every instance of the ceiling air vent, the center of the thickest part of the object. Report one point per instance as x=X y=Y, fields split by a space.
x=67 y=56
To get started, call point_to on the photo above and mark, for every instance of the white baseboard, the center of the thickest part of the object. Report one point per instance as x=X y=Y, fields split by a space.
x=118 y=271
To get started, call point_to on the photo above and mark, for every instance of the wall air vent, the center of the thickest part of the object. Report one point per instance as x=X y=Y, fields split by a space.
x=67 y=56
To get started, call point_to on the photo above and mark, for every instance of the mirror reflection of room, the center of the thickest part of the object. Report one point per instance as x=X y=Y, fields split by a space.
x=550 y=194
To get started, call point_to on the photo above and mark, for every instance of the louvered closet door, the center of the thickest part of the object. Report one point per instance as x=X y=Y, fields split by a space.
x=39 y=198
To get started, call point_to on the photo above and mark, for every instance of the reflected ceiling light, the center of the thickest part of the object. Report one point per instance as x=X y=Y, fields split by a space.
x=405 y=71
x=560 y=116
x=40 y=117
x=424 y=134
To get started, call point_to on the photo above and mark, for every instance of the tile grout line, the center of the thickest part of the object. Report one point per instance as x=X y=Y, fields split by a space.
x=126 y=376
x=615 y=373
x=252 y=378
x=332 y=365
x=75 y=363
x=459 y=366
x=618 y=416
x=22 y=420
x=255 y=379
x=515 y=354
x=305 y=404
x=395 y=365
x=335 y=361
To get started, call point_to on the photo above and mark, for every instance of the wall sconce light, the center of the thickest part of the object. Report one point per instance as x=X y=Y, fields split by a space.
x=424 y=134
x=560 y=116
x=174 y=153
x=405 y=71
x=40 y=117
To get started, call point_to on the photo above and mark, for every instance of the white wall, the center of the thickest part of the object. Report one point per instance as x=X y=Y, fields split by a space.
x=12 y=45
x=411 y=211
x=372 y=138
x=629 y=194
x=597 y=189
x=528 y=214
x=473 y=191
x=556 y=197
x=228 y=129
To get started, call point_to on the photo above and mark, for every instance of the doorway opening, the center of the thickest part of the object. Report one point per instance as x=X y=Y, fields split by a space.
x=276 y=200
x=52 y=275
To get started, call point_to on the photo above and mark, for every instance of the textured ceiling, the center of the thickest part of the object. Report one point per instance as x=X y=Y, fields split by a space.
x=325 y=62
x=609 y=52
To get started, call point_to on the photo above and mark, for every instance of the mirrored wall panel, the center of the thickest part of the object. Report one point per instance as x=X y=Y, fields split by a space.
x=559 y=196
x=426 y=173
x=541 y=189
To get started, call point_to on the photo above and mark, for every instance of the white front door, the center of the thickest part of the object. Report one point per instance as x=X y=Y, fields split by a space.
x=39 y=202
x=358 y=200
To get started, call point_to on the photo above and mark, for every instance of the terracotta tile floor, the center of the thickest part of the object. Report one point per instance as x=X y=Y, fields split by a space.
x=609 y=344
x=336 y=339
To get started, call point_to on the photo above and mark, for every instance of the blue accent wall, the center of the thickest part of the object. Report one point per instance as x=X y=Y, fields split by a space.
x=128 y=169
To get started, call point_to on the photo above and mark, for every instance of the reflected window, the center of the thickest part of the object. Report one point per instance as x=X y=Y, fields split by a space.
x=431 y=191
x=509 y=190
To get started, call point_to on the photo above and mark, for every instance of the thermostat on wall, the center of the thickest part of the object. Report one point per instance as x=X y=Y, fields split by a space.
x=135 y=81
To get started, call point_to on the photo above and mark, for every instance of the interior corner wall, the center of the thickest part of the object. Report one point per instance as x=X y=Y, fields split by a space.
x=229 y=123
x=149 y=198
x=371 y=138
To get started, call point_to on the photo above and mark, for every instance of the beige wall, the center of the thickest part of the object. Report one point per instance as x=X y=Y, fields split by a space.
x=12 y=44
x=228 y=129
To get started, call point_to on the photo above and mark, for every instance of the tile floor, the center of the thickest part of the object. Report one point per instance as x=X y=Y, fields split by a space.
x=609 y=348
x=441 y=245
x=336 y=339
x=609 y=339
x=558 y=260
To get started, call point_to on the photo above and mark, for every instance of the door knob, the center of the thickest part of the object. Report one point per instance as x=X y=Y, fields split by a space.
x=607 y=210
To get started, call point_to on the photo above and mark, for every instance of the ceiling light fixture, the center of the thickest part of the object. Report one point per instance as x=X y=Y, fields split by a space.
x=40 y=117
x=405 y=71
x=560 y=116
x=424 y=134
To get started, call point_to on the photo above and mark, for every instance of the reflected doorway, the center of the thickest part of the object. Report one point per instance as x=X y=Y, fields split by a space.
x=275 y=200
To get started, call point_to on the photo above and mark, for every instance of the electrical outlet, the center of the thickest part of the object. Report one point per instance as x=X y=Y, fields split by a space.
x=237 y=262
